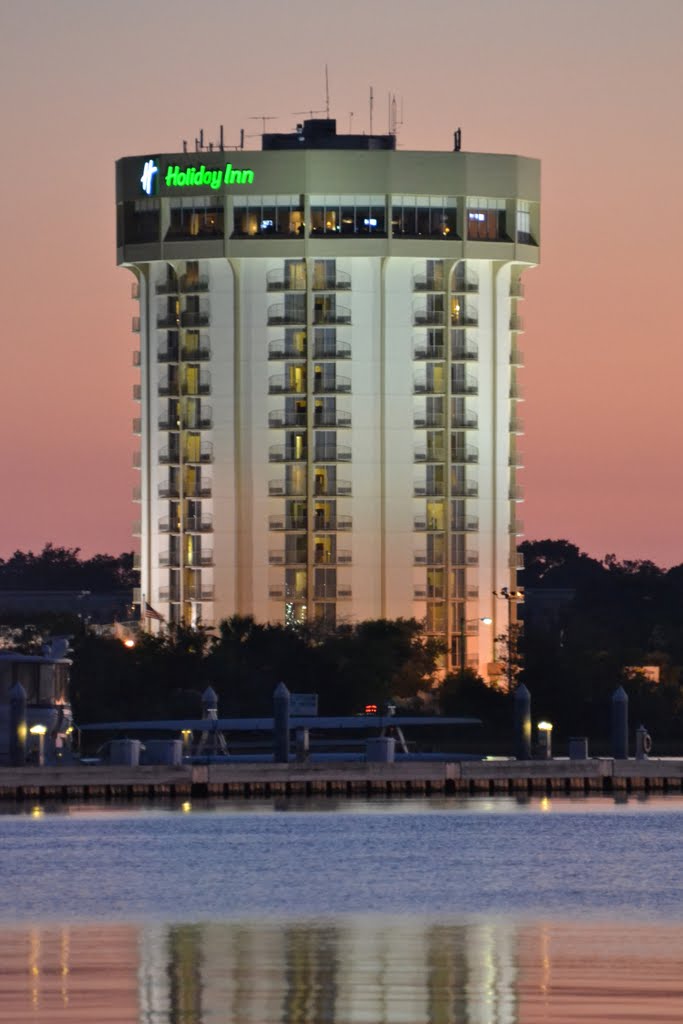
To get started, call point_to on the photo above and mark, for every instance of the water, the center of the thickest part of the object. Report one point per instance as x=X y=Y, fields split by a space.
x=481 y=911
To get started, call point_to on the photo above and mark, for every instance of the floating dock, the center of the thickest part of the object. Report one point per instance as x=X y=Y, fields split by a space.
x=498 y=777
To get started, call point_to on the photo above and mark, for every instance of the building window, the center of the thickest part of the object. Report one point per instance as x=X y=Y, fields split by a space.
x=486 y=220
x=138 y=222
x=265 y=216
x=348 y=215
x=524 y=223
x=195 y=217
x=424 y=217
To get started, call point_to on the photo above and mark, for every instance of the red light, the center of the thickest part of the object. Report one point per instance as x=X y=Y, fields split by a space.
x=370 y=709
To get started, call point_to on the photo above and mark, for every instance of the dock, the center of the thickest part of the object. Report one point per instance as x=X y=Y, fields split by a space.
x=499 y=777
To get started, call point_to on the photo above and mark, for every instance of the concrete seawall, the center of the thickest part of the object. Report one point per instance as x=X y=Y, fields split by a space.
x=500 y=777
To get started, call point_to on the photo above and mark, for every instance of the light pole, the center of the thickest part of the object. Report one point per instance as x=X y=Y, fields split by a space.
x=511 y=596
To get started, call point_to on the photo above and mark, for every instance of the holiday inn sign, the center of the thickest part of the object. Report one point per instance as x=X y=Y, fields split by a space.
x=194 y=177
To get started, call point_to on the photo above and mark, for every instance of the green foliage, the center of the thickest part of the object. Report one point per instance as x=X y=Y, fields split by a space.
x=57 y=568
x=466 y=693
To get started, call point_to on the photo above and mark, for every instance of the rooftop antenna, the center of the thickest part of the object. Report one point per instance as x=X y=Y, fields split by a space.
x=350 y=121
x=371 y=105
x=264 y=118
x=220 y=140
x=302 y=113
x=327 y=94
x=184 y=145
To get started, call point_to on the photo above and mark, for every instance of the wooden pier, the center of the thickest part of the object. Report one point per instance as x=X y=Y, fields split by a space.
x=352 y=779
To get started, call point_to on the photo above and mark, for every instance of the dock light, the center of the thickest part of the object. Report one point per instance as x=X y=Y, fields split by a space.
x=186 y=736
x=545 y=740
x=39 y=731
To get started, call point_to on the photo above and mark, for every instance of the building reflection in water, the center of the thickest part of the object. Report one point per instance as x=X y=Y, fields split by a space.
x=345 y=970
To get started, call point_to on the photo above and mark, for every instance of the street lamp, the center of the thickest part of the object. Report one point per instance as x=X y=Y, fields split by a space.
x=511 y=596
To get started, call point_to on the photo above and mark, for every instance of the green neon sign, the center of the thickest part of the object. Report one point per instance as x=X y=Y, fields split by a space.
x=193 y=177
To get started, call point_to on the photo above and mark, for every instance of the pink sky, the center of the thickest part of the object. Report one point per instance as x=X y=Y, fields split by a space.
x=593 y=88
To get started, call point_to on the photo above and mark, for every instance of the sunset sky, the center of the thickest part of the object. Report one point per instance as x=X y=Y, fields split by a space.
x=591 y=87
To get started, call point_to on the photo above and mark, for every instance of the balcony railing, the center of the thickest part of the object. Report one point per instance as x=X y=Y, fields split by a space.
x=137 y=392
x=286 y=522
x=136 y=528
x=516 y=459
x=465 y=283
x=516 y=527
x=465 y=489
x=341 y=488
x=137 y=357
x=137 y=460
x=198 y=524
x=135 y=290
x=340 y=281
x=197 y=353
x=332 y=453
x=192 y=284
x=424 y=453
x=203 y=386
x=194 y=318
x=278 y=280
x=283 y=349
x=332 y=523
x=135 y=325
x=137 y=493
x=423 y=351
x=169 y=594
x=168 y=287
x=167 y=386
x=170 y=456
x=465 y=524
x=284 y=453
x=198 y=489
x=338 y=315
x=169 y=491
x=423 y=523
x=167 y=354
x=464 y=317
x=516 y=356
x=287 y=418
x=283 y=488
x=429 y=490
x=137 y=426
x=516 y=289
x=465 y=421
x=466 y=453
x=280 y=385
x=202 y=421
x=465 y=385
x=280 y=314
x=332 y=558
x=168 y=320
x=465 y=353
x=324 y=350
x=332 y=593
x=199 y=592
x=334 y=418
x=516 y=425
x=166 y=559
x=429 y=317
x=516 y=493
x=422 y=386
x=429 y=283
x=517 y=560
x=516 y=323
x=431 y=419
x=339 y=385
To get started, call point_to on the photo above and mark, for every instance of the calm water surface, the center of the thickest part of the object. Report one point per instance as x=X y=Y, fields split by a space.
x=479 y=911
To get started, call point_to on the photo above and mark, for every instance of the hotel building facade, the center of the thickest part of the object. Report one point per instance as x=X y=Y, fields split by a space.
x=328 y=381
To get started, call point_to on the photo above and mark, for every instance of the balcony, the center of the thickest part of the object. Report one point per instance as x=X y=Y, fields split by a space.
x=423 y=524
x=465 y=421
x=198 y=489
x=516 y=459
x=169 y=560
x=338 y=315
x=336 y=386
x=282 y=349
x=194 y=318
x=425 y=453
x=137 y=460
x=465 y=283
x=168 y=594
x=197 y=353
x=199 y=592
x=281 y=314
x=429 y=317
x=203 y=386
x=516 y=527
x=465 y=489
x=423 y=351
x=432 y=419
x=167 y=353
x=137 y=493
x=278 y=280
x=422 y=386
x=433 y=489
x=340 y=488
x=137 y=426
x=465 y=353
x=135 y=290
x=332 y=453
x=193 y=455
x=137 y=357
x=419 y=593
x=517 y=560
x=285 y=522
x=135 y=325
x=190 y=285
x=516 y=356
x=516 y=425
x=287 y=418
x=516 y=290
x=465 y=524
x=332 y=593
x=466 y=385
x=330 y=558
x=324 y=350
x=515 y=390
x=137 y=392
x=168 y=287
x=283 y=385
x=285 y=453
x=137 y=560
x=464 y=317
x=201 y=421
x=198 y=524
x=169 y=491
x=516 y=493
x=429 y=283
x=168 y=386
x=332 y=523
x=340 y=281
x=281 y=488
x=333 y=418
x=168 y=320
x=136 y=528
x=466 y=453
x=516 y=323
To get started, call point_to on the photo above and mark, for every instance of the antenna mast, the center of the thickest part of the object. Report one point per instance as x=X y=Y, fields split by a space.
x=327 y=94
x=371 y=104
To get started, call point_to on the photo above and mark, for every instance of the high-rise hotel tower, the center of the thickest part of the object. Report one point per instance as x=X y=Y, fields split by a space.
x=328 y=380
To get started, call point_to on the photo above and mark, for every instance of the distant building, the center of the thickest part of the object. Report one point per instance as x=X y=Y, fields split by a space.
x=328 y=380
